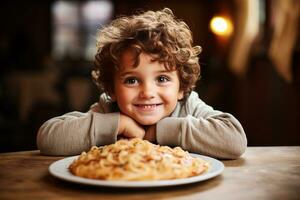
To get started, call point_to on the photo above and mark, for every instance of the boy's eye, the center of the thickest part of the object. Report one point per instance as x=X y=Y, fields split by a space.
x=162 y=79
x=131 y=81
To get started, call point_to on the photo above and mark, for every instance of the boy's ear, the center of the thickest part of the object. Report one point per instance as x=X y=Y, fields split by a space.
x=180 y=95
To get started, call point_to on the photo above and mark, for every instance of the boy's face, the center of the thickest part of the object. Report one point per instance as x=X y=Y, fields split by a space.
x=148 y=92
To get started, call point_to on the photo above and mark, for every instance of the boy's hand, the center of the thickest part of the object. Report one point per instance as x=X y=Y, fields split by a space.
x=129 y=128
x=150 y=133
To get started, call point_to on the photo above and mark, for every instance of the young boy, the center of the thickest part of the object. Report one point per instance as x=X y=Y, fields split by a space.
x=147 y=67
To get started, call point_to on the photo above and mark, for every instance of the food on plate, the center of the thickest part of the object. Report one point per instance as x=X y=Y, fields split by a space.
x=137 y=160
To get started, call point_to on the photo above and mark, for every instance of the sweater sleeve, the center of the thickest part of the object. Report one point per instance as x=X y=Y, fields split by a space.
x=74 y=132
x=203 y=130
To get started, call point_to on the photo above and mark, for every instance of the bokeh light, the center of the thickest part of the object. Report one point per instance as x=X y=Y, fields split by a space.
x=221 y=26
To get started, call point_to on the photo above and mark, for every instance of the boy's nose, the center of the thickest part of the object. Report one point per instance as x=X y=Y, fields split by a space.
x=147 y=91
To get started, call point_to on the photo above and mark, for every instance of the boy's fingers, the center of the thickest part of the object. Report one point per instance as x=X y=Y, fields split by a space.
x=141 y=135
x=134 y=132
x=138 y=133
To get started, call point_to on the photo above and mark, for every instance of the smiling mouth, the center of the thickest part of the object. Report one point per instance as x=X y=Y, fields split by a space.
x=147 y=106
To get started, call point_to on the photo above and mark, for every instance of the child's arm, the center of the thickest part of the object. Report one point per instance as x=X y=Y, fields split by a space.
x=198 y=128
x=74 y=132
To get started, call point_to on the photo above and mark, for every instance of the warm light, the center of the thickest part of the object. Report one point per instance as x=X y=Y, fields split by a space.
x=221 y=26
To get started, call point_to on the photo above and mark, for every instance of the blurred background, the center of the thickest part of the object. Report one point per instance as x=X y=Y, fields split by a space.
x=250 y=62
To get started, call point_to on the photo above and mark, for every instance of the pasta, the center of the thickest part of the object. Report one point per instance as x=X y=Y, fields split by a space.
x=137 y=160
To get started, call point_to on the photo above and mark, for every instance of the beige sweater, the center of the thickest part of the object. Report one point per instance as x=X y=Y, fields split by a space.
x=193 y=125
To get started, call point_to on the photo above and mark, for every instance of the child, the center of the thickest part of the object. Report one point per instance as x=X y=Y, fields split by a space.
x=147 y=67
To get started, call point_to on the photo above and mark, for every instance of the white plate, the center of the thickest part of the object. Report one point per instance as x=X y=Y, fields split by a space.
x=60 y=170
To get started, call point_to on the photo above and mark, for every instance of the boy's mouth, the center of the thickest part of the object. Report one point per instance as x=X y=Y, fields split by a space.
x=147 y=107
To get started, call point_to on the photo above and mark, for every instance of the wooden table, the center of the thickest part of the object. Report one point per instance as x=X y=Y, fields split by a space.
x=261 y=173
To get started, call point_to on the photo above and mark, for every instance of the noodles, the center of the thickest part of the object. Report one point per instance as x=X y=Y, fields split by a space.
x=137 y=160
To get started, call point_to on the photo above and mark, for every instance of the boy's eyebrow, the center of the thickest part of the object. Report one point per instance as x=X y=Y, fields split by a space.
x=164 y=71
x=126 y=73
x=123 y=74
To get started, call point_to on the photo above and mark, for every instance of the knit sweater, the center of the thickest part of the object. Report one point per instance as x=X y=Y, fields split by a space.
x=193 y=125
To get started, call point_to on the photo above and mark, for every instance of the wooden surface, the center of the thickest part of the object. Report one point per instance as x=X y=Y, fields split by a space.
x=261 y=173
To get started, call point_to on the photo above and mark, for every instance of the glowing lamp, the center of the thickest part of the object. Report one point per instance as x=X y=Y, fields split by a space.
x=221 y=26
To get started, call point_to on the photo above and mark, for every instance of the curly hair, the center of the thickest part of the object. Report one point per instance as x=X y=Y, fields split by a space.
x=158 y=33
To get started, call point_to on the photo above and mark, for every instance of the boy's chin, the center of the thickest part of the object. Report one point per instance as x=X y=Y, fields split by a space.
x=148 y=122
